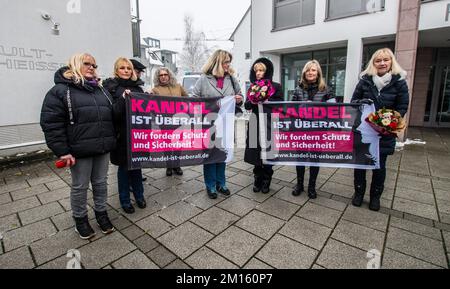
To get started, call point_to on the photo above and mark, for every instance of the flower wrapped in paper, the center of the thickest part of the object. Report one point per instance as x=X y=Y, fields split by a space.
x=260 y=91
x=386 y=122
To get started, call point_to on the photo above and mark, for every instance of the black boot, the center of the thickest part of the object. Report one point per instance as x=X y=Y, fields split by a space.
x=169 y=172
x=257 y=185
x=299 y=189
x=375 y=195
x=265 y=189
x=83 y=228
x=312 y=194
x=104 y=223
x=358 y=197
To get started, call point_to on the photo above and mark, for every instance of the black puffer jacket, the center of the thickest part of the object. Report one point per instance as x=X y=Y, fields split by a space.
x=91 y=132
x=253 y=155
x=116 y=88
x=394 y=96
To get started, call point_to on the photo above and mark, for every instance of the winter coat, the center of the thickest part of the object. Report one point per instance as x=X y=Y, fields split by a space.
x=206 y=86
x=90 y=132
x=253 y=155
x=116 y=87
x=167 y=90
x=312 y=93
x=394 y=96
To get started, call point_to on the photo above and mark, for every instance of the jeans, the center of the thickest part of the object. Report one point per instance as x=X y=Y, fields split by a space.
x=214 y=175
x=95 y=170
x=378 y=176
x=126 y=179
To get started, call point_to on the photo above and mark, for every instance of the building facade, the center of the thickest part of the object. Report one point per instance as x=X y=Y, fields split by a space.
x=37 y=38
x=343 y=38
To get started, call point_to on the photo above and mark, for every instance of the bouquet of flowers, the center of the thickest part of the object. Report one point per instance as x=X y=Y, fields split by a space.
x=260 y=91
x=387 y=122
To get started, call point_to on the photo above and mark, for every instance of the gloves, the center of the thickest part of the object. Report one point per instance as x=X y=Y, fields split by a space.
x=363 y=101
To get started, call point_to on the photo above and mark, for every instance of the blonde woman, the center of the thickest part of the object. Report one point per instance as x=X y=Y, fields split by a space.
x=383 y=84
x=217 y=80
x=125 y=79
x=312 y=88
x=77 y=120
x=166 y=84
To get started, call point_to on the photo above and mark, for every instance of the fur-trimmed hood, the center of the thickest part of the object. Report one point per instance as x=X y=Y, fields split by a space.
x=269 y=72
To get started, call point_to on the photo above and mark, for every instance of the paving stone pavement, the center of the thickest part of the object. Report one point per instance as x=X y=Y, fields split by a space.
x=182 y=228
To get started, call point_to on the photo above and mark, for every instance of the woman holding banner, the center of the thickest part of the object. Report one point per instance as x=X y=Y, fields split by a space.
x=383 y=84
x=262 y=69
x=77 y=121
x=166 y=84
x=125 y=79
x=217 y=81
x=312 y=88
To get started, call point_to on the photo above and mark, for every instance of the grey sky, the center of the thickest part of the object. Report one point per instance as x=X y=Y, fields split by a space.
x=163 y=19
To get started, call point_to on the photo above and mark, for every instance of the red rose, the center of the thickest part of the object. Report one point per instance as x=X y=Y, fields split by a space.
x=393 y=125
x=375 y=117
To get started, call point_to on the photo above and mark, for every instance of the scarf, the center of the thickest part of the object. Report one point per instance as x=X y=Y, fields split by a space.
x=220 y=82
x=381 y=82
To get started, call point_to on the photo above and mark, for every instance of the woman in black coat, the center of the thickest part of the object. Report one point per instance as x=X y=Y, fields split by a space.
x=383 y=84
x=312 y=88
x=77 y=121
x=125 y=80
x=261 y=69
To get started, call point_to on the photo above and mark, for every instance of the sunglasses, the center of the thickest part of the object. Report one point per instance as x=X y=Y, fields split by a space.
x=93 y=65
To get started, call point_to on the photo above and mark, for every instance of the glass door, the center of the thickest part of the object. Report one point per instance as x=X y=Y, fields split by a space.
x=443 y=107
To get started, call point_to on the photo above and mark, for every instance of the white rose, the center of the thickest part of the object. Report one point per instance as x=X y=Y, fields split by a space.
x=386 y=122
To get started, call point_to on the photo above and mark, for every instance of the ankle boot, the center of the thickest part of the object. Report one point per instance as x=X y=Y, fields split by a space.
x=83 y=228
x=375 y=195
x=358 y=197
x=299 y=188
x=257 y=185
x=265 y=189
x=312 y=193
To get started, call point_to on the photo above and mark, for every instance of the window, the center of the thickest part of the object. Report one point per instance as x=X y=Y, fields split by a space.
x=370 y=49
x=337 y=9
x=293 y=13
x=332 y=61
x=248 y=55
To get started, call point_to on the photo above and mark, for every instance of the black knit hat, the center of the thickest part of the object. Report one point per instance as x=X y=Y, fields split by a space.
x=137 y=65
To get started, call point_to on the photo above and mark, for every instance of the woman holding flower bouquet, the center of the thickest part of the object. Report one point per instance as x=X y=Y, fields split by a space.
x=383 y=84
x=261 y=89
x=312 y=88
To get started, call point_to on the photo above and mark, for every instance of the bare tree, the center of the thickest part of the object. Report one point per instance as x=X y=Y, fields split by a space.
x=195 y=52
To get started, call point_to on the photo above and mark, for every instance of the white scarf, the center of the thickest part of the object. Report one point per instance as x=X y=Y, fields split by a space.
x=382 y=81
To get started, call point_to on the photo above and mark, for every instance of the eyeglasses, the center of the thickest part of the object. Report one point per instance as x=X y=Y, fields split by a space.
x=161 y=75
x=88 y=64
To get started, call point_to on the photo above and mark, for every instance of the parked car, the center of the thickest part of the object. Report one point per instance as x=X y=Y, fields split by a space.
x=189 y=81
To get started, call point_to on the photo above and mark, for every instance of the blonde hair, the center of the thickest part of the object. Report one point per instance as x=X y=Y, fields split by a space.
x=260 y=65
x=119 y=62
x=395 y=68
x=75 y=64
x=173 y=79
x=320 y=80
x=214 y=64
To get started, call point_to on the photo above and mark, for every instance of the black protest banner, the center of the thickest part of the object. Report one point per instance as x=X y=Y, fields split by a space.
x=169 y=132
x=318 y=134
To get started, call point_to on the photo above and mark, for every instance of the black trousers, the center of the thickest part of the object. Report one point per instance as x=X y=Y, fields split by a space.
x=378 y=176
x=263 y=172
x=313 y=173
